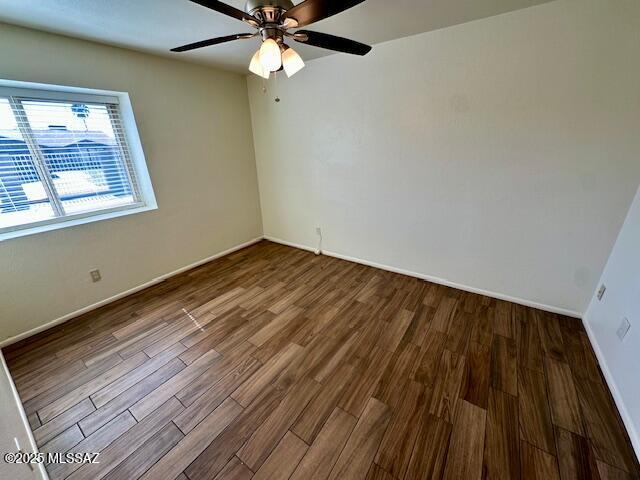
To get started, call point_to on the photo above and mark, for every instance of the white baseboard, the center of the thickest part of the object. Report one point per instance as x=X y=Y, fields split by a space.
x=291 y=244
x=429 y=278
x=33 y=447
x=615 y=392
x=118 y=296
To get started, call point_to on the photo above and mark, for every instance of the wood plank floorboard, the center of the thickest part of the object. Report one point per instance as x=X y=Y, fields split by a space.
x=274 y=363
x=324 y=451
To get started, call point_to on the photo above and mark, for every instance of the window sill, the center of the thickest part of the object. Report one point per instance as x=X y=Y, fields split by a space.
x=72 y=221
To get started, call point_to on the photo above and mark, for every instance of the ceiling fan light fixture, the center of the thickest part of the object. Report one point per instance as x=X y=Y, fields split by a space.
x=256 y=66
x=292 y=62
x=270 y=56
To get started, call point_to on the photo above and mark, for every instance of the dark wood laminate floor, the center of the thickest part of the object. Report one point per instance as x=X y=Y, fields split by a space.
x=273 y=363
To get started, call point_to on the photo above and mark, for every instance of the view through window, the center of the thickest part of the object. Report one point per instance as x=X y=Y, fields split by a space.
x=60 y=158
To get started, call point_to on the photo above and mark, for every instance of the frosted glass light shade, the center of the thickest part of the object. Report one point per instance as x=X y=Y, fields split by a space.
x=256 y=66
x=292 y=62
x=270 y=56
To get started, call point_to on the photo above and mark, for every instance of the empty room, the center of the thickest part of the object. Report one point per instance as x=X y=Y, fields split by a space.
x=319 y=239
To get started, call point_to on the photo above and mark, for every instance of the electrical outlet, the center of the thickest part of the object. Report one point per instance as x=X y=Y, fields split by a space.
x=603 y=288
x=95 y=275
x=319 y=231
x=623 y=329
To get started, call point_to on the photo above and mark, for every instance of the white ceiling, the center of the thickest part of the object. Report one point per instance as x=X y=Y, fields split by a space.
x=157 y=25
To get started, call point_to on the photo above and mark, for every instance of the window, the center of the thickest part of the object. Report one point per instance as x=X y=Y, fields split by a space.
x=67 y=157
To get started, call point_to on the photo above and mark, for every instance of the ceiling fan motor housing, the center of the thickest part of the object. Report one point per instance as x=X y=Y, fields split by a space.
x=269 y=12
x=253 y=5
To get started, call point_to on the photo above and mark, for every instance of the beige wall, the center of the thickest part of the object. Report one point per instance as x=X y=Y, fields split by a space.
x=195 y=129
x=501 y=154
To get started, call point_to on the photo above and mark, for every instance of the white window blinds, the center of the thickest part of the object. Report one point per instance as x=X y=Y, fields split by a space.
x=61 y=158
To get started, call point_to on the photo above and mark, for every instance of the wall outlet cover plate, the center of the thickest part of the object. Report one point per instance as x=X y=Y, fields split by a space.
x=95 y=275
x=623 y=329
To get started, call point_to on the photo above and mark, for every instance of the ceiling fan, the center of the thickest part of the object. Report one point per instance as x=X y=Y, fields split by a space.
x=272 y=20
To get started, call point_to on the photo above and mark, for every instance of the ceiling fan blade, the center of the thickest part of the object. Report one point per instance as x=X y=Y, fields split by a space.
x=213 y=41
x=311 y=11
x=228 y=10
x=331 y=42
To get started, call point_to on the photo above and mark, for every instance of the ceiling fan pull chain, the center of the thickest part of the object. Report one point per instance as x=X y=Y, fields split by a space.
x=275 y=86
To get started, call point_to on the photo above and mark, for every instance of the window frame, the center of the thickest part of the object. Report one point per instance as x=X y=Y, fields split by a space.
x=145 y=200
